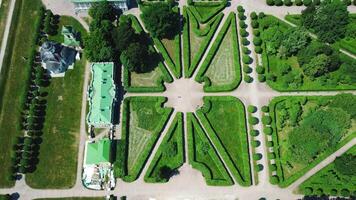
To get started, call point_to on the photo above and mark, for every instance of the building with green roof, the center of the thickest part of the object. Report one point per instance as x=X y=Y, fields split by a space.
x=83 y=5
x=98 y=152
x=101 y=95
x=71 y=36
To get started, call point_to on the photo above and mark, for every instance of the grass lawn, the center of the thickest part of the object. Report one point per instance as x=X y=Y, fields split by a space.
x=144 y=120
x=292 y=114
x=203 y=155
x=231 y=133
x=4 y=9
x=329 y=179
x=170 y=155
x=58 y=153
x=14 y=79
x=149 y=79
x=198 y=39
x=222 y=65
x=173 y=48
x=295 y=79
x=205 y=12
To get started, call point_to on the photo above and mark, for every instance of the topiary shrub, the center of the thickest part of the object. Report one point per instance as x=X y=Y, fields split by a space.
x=258 y=49
x=257 y=156
x=261 y=15
x=253 y=120
x=245 y=50
x=256 y=143
x=251 y=109
x=345 y=192
x=270 y=2
x=268 y=130
x=333 y=192
x=245 y=42
x=253 y=16
x=270 y=144
x=260 y=69
x=273 y=167
x=298 y=2
x=254 y=24
x=266 y=120
x=247 y=69
x=243 y=32
x=240 y=9
x=248 y=79
x=274 y=180
x=242 y=24
x=307 y=2
x=319 y=192
x=254 y=133
x=278 y=2
x=241 y=16
x=261 y=78
x=246 y=59
x=288 y=2
x=256 y=32
x=259 y=167
x=316 y=2
x=265 y=109
x=271 y=155
x=308 y=191
x=257 y=41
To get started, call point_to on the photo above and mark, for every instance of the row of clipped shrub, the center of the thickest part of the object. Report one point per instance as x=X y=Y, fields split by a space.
x=246 y=59
x=302 y=2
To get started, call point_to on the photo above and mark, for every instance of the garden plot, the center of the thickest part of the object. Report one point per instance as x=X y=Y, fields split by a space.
x=170 y=155
x=203 y=156
x=145 y=120
x=229 y=136
x=308 y=129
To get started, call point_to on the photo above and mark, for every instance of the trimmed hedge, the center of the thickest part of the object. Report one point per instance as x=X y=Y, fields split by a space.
x=243 y=178
x=192 y=122
x=172 y=162
x=132 y=175
x=219 y=7
x=230 y=22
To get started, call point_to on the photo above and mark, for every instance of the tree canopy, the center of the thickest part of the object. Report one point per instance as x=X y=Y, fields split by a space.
x=328 y=20
x=160 y=20
x=346 y=164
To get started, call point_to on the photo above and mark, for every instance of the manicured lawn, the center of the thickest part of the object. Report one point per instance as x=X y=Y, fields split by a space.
x=228 y=135
x=221 y=69
x=308 y=129
x=150 y=79
x=170 y=155
x=205 y=12
x=295 y=79
x=143 y=121
x=330 y=180
x=197 y=38
x=203 y=156
x=67 y=21
x=14 y=79
x=58 y=152
x=4 y=9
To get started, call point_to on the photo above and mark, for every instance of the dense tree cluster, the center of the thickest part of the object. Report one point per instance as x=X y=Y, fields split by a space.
x=346 y=164
x=161 y=20
x=50 y=24
x=329 y=20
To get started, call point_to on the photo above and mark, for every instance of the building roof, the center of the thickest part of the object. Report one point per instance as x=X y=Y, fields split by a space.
x=98 y=152
x=92 y=1
x=70 y=36
x=101 y=94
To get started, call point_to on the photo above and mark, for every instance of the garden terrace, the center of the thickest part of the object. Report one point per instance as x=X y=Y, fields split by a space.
x=202 y=155
x=196 y=39
x=143 y=121
x=221 y=70
x=308 y=129
x=170 y=155
x=299 y=72
x=229 y=136
x=336 y=179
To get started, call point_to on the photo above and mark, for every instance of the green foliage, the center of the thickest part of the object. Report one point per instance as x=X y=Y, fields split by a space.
x=246 y=59
x=103 y=11
x=346 y=164
x=298 y=2
x=247 y=69
x=160 y=20
x=288 y=2
x=257 y=41
x=294 y=39
x=347 y=102
x=265 y=109
x=268 y=130
x=260 y=69
x=255 y=133
x=270 y=2
x=129 y=58
x=251 y=109
x=278 y=2
x=307 y=2
x=247 y=78
x=328 y=21
x=253 y=120
x=266 y=120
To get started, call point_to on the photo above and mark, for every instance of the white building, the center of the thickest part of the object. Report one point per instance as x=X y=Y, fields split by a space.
x=83 y=5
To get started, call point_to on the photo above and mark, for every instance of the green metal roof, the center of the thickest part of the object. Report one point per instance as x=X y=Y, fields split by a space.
x=98 y=152
x=92 y=1
x=101 y=94
x=70 y=36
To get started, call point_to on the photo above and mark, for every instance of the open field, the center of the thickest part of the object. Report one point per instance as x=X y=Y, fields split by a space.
x=170 y=155
x=14 y=78
x=308 y=129
x=221 y=70
x=144 y=120
x=229 y=136
x=203 y=156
